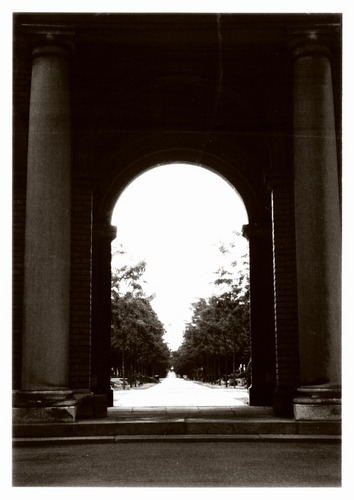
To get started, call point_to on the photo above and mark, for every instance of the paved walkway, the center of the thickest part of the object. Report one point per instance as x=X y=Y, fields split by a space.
x=177 y=392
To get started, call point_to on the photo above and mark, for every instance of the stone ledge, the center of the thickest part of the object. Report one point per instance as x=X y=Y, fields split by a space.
x=184 y=438
x=174 y=427
x=48 y=414
x=326 y=412
x=318 y=402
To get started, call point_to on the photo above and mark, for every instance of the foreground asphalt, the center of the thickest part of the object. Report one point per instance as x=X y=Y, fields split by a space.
x=103 y=453
x=179 y=464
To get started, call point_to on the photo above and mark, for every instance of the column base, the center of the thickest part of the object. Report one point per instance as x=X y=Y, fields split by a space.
x=318 y=402
x=44 y=406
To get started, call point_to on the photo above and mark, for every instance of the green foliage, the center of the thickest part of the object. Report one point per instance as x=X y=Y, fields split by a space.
x=137 y=344
x=217 y=339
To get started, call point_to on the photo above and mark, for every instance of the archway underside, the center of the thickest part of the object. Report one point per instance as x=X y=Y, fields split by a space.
x=262 y=344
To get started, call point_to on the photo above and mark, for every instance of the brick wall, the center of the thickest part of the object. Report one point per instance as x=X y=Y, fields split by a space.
x=285 y=292
x=81 y=296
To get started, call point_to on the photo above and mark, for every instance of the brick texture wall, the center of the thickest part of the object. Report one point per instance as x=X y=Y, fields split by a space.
x=285 y=292
x=81 y=292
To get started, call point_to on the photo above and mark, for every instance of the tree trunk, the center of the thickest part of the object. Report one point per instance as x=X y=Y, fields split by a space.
x=123 y=367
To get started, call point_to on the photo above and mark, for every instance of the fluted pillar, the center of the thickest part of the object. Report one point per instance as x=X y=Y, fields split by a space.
x=44 y=394
x=318 y=232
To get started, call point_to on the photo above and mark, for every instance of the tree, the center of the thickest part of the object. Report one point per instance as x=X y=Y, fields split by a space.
x=218 y=334
x=137 y=342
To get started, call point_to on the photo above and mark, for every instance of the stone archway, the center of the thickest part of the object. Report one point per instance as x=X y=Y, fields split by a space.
x=258 y=232
x=258 y=100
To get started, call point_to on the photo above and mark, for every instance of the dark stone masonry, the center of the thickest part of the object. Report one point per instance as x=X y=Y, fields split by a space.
x=99 y=99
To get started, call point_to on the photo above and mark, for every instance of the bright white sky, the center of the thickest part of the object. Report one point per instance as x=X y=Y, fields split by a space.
x=174 y=217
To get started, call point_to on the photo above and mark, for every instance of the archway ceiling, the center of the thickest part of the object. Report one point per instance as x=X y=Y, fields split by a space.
x=178 y=77
x=179 y=71
x=188 y=75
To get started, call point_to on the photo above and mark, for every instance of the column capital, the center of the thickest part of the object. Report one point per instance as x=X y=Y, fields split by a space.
x=51 y=46
x=304 y=43
x=50 y=39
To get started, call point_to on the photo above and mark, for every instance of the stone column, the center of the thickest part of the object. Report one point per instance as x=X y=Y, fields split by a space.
x=44 y=394
x=103 y=234
x=318 y=232
x=262 y=314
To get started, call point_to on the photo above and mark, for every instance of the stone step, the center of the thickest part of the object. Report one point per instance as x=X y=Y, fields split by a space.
x=178 y=427
x=190 y=412
x=178 y=438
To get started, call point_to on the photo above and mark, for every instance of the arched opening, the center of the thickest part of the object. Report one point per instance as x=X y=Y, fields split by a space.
x=160 y=152
x=180 y=290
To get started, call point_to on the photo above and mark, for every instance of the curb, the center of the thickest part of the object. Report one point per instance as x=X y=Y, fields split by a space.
x=181 y=438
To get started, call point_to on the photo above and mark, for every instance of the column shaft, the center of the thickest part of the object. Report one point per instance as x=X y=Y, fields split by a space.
x=318 y=222
x=47 y=234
